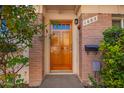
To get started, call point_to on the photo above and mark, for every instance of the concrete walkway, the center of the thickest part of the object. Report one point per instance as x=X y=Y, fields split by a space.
x=61 y=81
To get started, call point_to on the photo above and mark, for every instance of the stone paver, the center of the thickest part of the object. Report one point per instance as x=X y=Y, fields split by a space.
x=61 y=81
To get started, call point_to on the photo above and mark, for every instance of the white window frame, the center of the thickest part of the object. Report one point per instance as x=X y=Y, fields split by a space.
x=122 y=22
x=119 y=18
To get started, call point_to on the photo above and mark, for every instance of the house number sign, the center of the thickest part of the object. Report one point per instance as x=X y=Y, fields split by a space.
x=90 y=20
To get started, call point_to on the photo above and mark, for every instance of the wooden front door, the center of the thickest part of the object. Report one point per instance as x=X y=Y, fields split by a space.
x=61 y=47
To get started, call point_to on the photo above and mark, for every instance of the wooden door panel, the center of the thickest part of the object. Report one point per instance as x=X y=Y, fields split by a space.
x=66 y=46
x=55 y=55
x=61 y=50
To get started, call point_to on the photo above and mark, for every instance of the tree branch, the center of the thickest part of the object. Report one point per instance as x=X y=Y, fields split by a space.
x=19 y=69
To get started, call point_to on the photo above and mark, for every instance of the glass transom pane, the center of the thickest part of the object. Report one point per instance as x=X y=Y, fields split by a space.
x=61 y=26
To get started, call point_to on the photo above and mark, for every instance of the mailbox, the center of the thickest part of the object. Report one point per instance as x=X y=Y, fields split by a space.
x=96 y=66
x=91 y=48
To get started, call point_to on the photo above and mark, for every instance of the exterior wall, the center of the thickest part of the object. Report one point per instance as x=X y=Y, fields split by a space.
x=112 y=9
x=36 y=62
x=39 y=8
x=36 y=66
x=25 y=70
x=91 y=34
x=25 y=74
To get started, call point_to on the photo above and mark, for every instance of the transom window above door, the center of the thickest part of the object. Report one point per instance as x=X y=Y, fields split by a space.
x=61 y=27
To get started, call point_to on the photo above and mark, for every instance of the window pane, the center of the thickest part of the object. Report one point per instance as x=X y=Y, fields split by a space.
x=54 y=26
x=3 y=27
x=67 y=27
x=116 y=23
x=61 y=26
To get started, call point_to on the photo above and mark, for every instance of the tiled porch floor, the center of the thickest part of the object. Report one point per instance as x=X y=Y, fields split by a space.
x=61 y=81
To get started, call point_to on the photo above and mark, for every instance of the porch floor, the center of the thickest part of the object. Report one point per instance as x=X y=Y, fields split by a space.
x=61 y=81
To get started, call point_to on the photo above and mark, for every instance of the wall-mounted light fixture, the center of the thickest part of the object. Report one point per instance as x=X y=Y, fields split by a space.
x=76 y=21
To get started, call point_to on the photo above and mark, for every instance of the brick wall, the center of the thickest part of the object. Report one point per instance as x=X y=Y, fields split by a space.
x=36 y=62
x=36 y=65
x=91 y=34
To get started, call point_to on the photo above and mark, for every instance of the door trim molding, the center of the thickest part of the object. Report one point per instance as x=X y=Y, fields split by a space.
x=75 y=51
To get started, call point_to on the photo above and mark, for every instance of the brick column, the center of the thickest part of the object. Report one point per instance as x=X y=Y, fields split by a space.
x=91 y=34
x=36 y=61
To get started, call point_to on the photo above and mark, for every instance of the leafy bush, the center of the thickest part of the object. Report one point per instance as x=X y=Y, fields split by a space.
x=93 y=81
x=17 y=28
x=112 y=49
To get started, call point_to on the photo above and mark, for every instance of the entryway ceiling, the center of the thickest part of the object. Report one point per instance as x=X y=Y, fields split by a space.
x=73 y=8
x=64 y=7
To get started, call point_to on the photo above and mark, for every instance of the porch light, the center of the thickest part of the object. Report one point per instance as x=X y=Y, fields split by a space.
x=76 y=21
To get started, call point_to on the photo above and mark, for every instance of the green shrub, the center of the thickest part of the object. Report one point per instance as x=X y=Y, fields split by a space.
x=17 y=28
x=112 y=49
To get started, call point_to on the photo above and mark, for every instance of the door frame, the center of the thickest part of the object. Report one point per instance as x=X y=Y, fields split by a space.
x=66 y=71
x=75 y=49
